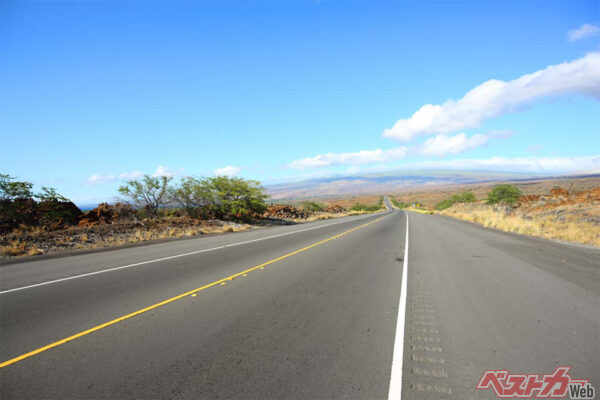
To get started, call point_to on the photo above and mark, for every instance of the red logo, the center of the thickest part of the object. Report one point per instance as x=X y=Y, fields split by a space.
x=555 y=385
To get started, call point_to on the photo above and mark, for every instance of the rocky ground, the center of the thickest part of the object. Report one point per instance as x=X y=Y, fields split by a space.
x=573 y=217
x=114 y=225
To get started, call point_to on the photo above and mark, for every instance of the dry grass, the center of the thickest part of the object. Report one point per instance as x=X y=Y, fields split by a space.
x=347 y=202
x=34 y=251
x=546 y=226
x=361 y=212
x=318 y=216
x=31 y=241
x=15 y=248
x=428 y=196
x=28 y=242
x=419 y=210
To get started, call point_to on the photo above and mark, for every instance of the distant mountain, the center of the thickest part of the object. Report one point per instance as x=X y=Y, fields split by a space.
x=384 y=182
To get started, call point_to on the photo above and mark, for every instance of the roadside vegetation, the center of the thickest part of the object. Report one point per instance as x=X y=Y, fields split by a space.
x=398 y=203
x=465 y=197
x=504 y=194
x=20 y=205
x=150 y=208
x=313 y=206
x=219 y=197
x=368 y=208
x=556 y=213
x=560 y=215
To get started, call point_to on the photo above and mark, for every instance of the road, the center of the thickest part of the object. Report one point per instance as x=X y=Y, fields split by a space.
x=302 y=311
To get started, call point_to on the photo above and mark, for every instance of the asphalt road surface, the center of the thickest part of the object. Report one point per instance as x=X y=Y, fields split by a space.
x=303 y=311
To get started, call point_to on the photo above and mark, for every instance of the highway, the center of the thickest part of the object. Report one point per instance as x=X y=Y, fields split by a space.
x=301 y=311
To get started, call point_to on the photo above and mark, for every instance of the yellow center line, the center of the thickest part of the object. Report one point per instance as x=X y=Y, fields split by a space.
x=172 y=299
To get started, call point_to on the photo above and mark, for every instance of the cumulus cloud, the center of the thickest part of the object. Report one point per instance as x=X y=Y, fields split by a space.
x=229 y=170
x=589 y=164
x=358 y=158
x=131 y=175
x=438 y=146
x=443 y=144
x=496 y=97
x=585 y=30
x=161 y=170
x=100 y=179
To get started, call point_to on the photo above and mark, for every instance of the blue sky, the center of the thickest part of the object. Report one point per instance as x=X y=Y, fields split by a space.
x=95 y=92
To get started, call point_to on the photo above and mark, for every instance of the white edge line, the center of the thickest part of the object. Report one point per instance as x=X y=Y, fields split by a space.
x=395 y=392
x=175 y=256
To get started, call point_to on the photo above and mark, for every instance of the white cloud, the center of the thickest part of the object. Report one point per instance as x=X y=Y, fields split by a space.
x=358 y=158
x=443 y=144
x=496 y=97
x=583 y=31
x=100 y=179
x=229 y=170
x=437 y=146
x=161 y=170
x=589 y=164
x=352 y=170
x=133 y=175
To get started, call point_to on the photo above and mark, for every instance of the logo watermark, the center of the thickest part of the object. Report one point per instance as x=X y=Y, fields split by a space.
x=558 y=384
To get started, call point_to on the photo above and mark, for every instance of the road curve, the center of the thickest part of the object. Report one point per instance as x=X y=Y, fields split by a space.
x=313 y=316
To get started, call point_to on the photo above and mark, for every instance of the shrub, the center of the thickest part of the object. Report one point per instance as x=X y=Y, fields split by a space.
x=312 y=206
x=399 y=204
x=237 y=198
x=54 y=207
x=195 y=196
x=465 y=197
x=505 y=193
x=17 y=205
x=148 y=193
x=364 y=207
x=215 y=197
x=442 y=205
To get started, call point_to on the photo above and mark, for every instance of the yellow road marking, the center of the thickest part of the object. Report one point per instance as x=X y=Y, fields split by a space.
x=172 y=299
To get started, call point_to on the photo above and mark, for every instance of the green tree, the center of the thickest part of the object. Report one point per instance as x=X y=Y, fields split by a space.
x=237 y=197
x=53 y=206
x=505 y=193
x=194 y=195
x=11 y=189
x=149 y=193
x=50 y=195
x=16 y=203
